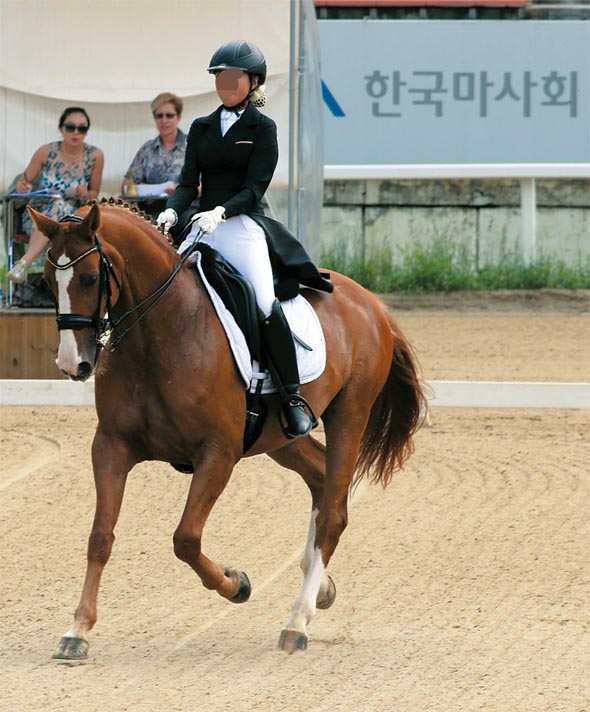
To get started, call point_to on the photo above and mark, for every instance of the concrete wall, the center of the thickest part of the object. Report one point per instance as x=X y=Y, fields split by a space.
x=366 y=218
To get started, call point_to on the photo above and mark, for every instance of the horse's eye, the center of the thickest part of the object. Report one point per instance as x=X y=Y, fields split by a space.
x=88 y=280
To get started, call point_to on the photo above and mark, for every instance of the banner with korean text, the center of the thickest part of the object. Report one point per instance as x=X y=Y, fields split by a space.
x=443 y=92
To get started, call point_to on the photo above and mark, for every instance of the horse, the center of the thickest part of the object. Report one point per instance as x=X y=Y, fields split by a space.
x=134 y=316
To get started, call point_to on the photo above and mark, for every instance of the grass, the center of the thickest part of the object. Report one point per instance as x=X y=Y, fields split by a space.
x=444 y=266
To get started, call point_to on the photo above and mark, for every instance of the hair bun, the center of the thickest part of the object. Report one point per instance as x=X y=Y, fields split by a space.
x=258 y=97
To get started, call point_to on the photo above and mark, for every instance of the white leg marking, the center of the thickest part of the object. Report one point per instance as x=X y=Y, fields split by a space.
x=305 y=562
x=304 y=608
x=72 y=634
x=68 y=357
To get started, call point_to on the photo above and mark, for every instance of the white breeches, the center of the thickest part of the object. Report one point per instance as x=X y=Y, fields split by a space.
x=243 y=244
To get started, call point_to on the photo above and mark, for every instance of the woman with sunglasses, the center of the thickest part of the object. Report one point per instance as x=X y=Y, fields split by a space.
x=70 y=170
x=160 y=159
x=232 y=154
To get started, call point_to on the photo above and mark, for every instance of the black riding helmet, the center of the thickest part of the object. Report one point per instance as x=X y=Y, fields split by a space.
x=239 y=54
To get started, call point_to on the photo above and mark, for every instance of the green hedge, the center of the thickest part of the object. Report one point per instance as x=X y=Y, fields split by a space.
x=444 y=266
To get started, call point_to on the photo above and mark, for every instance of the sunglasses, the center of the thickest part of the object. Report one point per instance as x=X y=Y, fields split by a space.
x=161 y=116
x=70 y=128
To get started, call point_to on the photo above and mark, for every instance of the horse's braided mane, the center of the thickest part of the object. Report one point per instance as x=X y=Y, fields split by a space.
x=120 y=203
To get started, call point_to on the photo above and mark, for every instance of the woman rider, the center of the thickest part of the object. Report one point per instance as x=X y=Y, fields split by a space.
x=232 y=154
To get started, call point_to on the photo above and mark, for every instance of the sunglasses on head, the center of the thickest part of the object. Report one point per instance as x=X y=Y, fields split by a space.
x=161 y=116
x=70 y=128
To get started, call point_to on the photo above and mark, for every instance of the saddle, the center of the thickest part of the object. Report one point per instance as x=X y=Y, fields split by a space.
x=238 y=296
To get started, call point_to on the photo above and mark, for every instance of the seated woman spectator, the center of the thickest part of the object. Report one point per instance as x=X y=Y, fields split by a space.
x=160 y=159
x=71 y=170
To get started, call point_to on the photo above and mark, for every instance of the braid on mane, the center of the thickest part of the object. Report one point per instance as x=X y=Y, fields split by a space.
x=132 y=208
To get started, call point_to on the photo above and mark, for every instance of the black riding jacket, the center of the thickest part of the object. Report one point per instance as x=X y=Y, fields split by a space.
x=235 y=171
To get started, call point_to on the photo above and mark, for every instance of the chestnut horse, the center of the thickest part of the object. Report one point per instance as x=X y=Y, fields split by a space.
x=167 y=388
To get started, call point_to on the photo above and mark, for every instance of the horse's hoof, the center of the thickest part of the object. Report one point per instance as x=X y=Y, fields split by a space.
x=71 y=649
x=292 y=640
x=186 y=469
x=244 y=590
x=328 y=597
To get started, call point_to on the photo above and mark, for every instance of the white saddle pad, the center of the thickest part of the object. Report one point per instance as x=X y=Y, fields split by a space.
x=304 y=324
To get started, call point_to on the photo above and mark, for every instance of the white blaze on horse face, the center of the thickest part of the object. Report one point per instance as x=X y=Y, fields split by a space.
x=68 y=357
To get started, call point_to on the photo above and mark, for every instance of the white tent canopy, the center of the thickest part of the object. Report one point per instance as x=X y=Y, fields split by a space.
x=113 y=56
x=125 y=50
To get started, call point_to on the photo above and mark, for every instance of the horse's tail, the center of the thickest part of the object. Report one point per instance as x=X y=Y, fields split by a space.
x=395 y=417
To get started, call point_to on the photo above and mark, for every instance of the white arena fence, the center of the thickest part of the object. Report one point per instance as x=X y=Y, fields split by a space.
x=526 y=173
x=450 y=394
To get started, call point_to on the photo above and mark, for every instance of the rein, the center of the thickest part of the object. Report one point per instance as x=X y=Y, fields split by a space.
x=104 y=327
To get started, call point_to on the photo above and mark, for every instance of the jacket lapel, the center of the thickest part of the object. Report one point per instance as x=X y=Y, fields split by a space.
x=242 y=128
x=214 y=132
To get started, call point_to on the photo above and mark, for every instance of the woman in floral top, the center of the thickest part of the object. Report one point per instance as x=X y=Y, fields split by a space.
x=70 y=170
x=160 y=159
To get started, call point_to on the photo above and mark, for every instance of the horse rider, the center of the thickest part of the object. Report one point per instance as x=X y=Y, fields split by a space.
x=232 y=154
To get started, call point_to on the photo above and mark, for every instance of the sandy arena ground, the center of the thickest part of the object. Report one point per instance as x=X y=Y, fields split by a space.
x=464 y=586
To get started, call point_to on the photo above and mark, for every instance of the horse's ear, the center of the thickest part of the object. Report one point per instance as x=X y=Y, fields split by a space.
x=92 y=221
x=44 y=224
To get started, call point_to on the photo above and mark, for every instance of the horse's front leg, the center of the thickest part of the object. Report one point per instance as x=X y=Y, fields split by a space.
x=111 y=461
x=212 y=474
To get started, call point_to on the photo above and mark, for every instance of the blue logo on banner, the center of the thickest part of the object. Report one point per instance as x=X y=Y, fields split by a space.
x=331 y=102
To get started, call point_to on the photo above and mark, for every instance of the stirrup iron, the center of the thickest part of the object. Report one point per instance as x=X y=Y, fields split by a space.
x=296 y=400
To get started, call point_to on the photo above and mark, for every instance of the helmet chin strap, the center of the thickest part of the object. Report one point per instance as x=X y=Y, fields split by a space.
x=244 y=103
x=238 y=107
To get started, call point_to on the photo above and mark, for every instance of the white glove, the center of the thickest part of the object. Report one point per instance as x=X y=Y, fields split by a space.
x=168 y=218
x=210 y=219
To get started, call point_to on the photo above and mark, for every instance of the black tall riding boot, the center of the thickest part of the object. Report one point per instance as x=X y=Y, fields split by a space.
x=279 y=352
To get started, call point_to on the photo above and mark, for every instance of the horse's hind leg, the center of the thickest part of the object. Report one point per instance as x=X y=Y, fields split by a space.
x=343 y=436
x=307 y=457
x=110 y=477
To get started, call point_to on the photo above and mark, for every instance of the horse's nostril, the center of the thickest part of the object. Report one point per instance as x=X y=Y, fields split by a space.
x=84 y=370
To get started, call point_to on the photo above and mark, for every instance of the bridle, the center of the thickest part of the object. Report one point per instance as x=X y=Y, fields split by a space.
x=103 y=328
